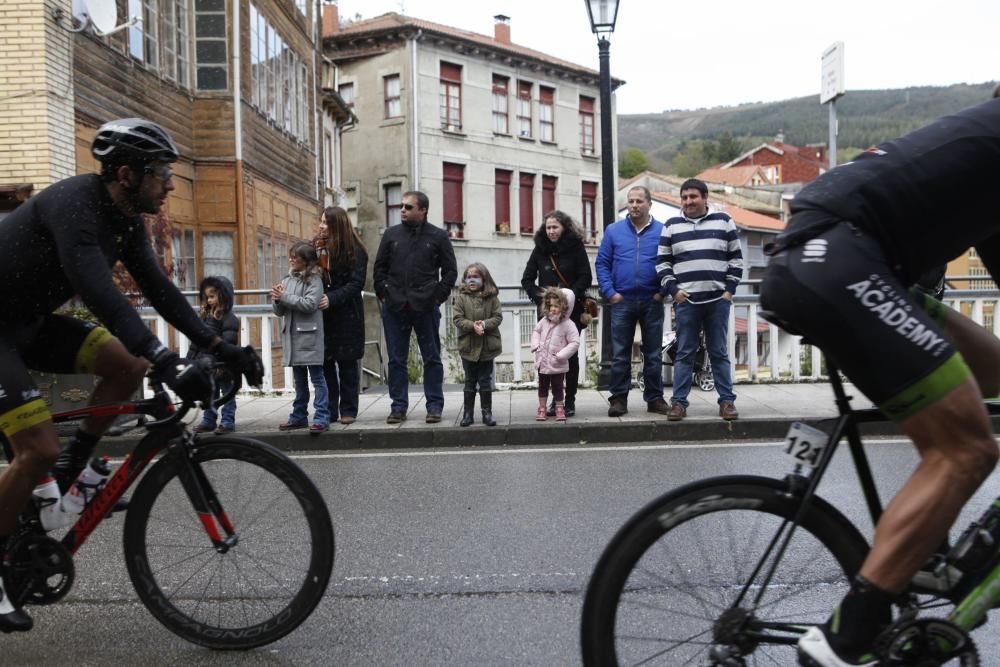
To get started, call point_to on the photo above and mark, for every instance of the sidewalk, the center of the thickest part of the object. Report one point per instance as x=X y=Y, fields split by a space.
x=765 y=413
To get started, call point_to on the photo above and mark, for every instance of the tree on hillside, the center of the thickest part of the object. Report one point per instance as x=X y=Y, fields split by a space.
x=727 y=147
x=632 y=161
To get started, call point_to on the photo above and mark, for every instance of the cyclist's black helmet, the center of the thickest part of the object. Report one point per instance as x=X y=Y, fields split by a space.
x=132 y=141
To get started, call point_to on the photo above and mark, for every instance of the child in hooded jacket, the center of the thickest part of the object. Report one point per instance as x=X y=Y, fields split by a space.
x=215 y=293
x=554 y=340
x=477 y=318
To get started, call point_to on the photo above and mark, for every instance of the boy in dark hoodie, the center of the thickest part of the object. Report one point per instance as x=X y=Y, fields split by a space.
x=216 y=297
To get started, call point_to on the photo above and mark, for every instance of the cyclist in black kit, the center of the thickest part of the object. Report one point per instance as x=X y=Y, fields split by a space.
x=63 y=242
x=859 y=237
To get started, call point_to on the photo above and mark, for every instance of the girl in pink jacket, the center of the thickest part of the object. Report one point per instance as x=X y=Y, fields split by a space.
x=554 y=341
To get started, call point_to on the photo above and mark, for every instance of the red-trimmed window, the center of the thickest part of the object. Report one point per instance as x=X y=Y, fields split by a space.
x=586 y=125
x=501 y=89
x=524 y=109
x=501 y=199
x=451 y=97
x=549 y=184
x=454 y=179
x=526 y=199
x=546 y=113
x=588 y=215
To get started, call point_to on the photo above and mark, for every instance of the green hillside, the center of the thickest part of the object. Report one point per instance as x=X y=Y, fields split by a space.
x=866 y=117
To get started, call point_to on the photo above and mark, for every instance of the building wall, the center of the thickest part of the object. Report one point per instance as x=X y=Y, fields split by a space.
x=36 y=94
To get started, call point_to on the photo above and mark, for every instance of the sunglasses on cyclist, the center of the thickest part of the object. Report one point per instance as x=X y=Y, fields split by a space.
x=160 y=170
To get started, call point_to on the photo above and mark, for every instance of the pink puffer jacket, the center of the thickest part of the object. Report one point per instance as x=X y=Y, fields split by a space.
x=554 y=344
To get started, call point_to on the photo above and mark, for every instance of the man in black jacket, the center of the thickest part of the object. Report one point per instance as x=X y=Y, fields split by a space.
x=413 y=274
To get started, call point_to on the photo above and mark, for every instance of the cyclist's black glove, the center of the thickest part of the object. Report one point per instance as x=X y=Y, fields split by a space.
x=242 y=360
x=191 y=381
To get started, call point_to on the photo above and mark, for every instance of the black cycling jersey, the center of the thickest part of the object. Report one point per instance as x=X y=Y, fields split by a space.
x=926 y=197
x=63 y=242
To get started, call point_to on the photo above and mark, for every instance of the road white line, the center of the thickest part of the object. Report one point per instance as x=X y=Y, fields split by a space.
x=569 y=449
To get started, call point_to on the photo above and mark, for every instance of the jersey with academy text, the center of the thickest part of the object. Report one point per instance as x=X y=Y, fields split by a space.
x=926 y=197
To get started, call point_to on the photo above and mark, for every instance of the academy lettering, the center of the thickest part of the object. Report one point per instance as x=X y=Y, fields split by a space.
x=894 y=312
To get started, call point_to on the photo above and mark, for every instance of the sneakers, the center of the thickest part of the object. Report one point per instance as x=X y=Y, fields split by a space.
x=618 y=407
x=815 y=651
x=560 y=413
x=223 y=430
x=316 y=429
x=290 y=426
x=542 y=414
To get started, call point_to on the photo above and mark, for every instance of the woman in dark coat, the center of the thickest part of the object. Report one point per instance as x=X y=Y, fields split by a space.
x=559 y=244
x=343 y=311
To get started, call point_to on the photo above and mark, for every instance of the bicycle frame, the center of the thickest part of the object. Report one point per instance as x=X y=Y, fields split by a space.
x=969 y=611
x=166 y=434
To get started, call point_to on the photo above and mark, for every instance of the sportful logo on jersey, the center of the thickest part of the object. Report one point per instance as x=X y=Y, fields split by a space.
x=875 y=151
x=879 y=296
x=814 y=250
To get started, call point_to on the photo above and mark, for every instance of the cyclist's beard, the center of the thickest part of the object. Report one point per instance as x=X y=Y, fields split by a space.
x=137 y=201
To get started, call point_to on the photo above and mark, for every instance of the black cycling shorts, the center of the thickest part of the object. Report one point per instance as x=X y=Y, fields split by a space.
x=837 y=290
x=52 y=344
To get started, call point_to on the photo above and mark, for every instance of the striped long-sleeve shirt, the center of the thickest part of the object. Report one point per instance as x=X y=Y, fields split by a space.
x=700 y=256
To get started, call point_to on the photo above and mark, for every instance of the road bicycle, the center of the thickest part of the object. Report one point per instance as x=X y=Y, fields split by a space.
x=731 y=571
x=227 y=541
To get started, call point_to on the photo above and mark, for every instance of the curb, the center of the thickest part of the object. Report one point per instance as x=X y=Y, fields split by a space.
x=514 y=435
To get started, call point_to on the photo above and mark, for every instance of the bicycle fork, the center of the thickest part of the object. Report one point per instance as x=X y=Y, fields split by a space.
x=213 y=517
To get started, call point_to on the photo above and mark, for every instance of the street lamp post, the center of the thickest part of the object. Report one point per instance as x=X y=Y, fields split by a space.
x=603 y=14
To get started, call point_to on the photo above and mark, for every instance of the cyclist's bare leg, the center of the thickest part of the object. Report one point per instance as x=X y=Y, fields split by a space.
x=35 y=450
x=957 y=452
x=120 y=374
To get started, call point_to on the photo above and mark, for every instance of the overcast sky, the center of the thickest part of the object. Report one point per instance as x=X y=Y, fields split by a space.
x=687 y=55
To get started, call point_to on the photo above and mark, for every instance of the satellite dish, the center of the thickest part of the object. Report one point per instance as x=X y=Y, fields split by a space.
x=80 y=12
x=103 y=15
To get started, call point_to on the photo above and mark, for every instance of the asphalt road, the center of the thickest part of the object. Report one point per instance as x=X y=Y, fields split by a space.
x=451 y=557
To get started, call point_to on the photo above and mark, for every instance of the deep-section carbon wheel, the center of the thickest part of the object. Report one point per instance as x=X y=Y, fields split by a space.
x=275 y=569
x=667 y=589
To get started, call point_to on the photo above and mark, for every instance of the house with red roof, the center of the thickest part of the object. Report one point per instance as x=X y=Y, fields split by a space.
x=784 y=163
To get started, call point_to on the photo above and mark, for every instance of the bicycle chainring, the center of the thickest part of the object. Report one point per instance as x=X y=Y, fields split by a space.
x=926 y=642
x=38 y=570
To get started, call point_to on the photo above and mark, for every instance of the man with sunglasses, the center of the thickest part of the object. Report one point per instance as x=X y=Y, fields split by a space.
x=64 y=242
x=413 y=275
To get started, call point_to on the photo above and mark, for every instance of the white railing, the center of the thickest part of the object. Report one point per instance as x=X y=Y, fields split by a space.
x=759 y=350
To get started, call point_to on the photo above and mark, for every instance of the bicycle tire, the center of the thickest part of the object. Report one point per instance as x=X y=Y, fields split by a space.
x=658 y=593
x=264 y=586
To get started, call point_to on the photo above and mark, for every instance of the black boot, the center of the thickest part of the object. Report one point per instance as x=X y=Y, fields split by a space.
x=468 y=416
x=486 y=398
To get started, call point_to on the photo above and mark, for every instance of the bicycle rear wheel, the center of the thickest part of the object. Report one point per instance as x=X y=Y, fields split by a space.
x=667 y=589
x=275 y=572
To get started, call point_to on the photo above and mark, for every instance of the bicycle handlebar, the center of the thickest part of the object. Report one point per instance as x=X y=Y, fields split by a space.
x=162 y=401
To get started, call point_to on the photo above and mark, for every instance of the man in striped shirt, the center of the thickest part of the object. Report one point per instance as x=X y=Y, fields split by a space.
x=700 y=264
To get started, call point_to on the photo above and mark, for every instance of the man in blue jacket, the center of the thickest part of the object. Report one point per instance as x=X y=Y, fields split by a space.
x=626 y=273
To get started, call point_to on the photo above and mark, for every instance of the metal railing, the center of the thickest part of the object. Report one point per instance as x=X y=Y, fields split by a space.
x=760 y=351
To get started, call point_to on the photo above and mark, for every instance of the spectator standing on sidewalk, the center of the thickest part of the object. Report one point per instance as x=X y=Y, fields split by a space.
x=413 y=275
x=296 y=300
x=343 y=312
x=216 y=295
x=477 y=318
x=560 y=259
x=626 y=274
x=700 y=263
x=554 y=340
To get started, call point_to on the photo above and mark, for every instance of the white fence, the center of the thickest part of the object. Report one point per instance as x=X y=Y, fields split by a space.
x=760 y=351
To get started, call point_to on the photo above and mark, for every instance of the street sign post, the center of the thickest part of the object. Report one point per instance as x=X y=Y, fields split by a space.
x=832 y=87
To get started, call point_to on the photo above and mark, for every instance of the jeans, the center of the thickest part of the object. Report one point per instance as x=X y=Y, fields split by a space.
x=398 y=324
x=321 y=401
x=209 y=417
x=343 y=382
x=478 y=375
x=624 y=316
x=691 y=318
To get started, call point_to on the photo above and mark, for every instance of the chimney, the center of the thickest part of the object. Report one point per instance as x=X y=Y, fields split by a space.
x=501 y=29
x=331 y=19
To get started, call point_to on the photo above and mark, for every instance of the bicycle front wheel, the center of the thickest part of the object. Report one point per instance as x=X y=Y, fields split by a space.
x=682 y=583
x=271 y=577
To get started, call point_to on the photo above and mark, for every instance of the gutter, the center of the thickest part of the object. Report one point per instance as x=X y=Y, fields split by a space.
x=414 y=77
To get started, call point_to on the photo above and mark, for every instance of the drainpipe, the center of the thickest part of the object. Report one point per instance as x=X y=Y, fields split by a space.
x=415 y=75
x=317 y=112
x=241 y=240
